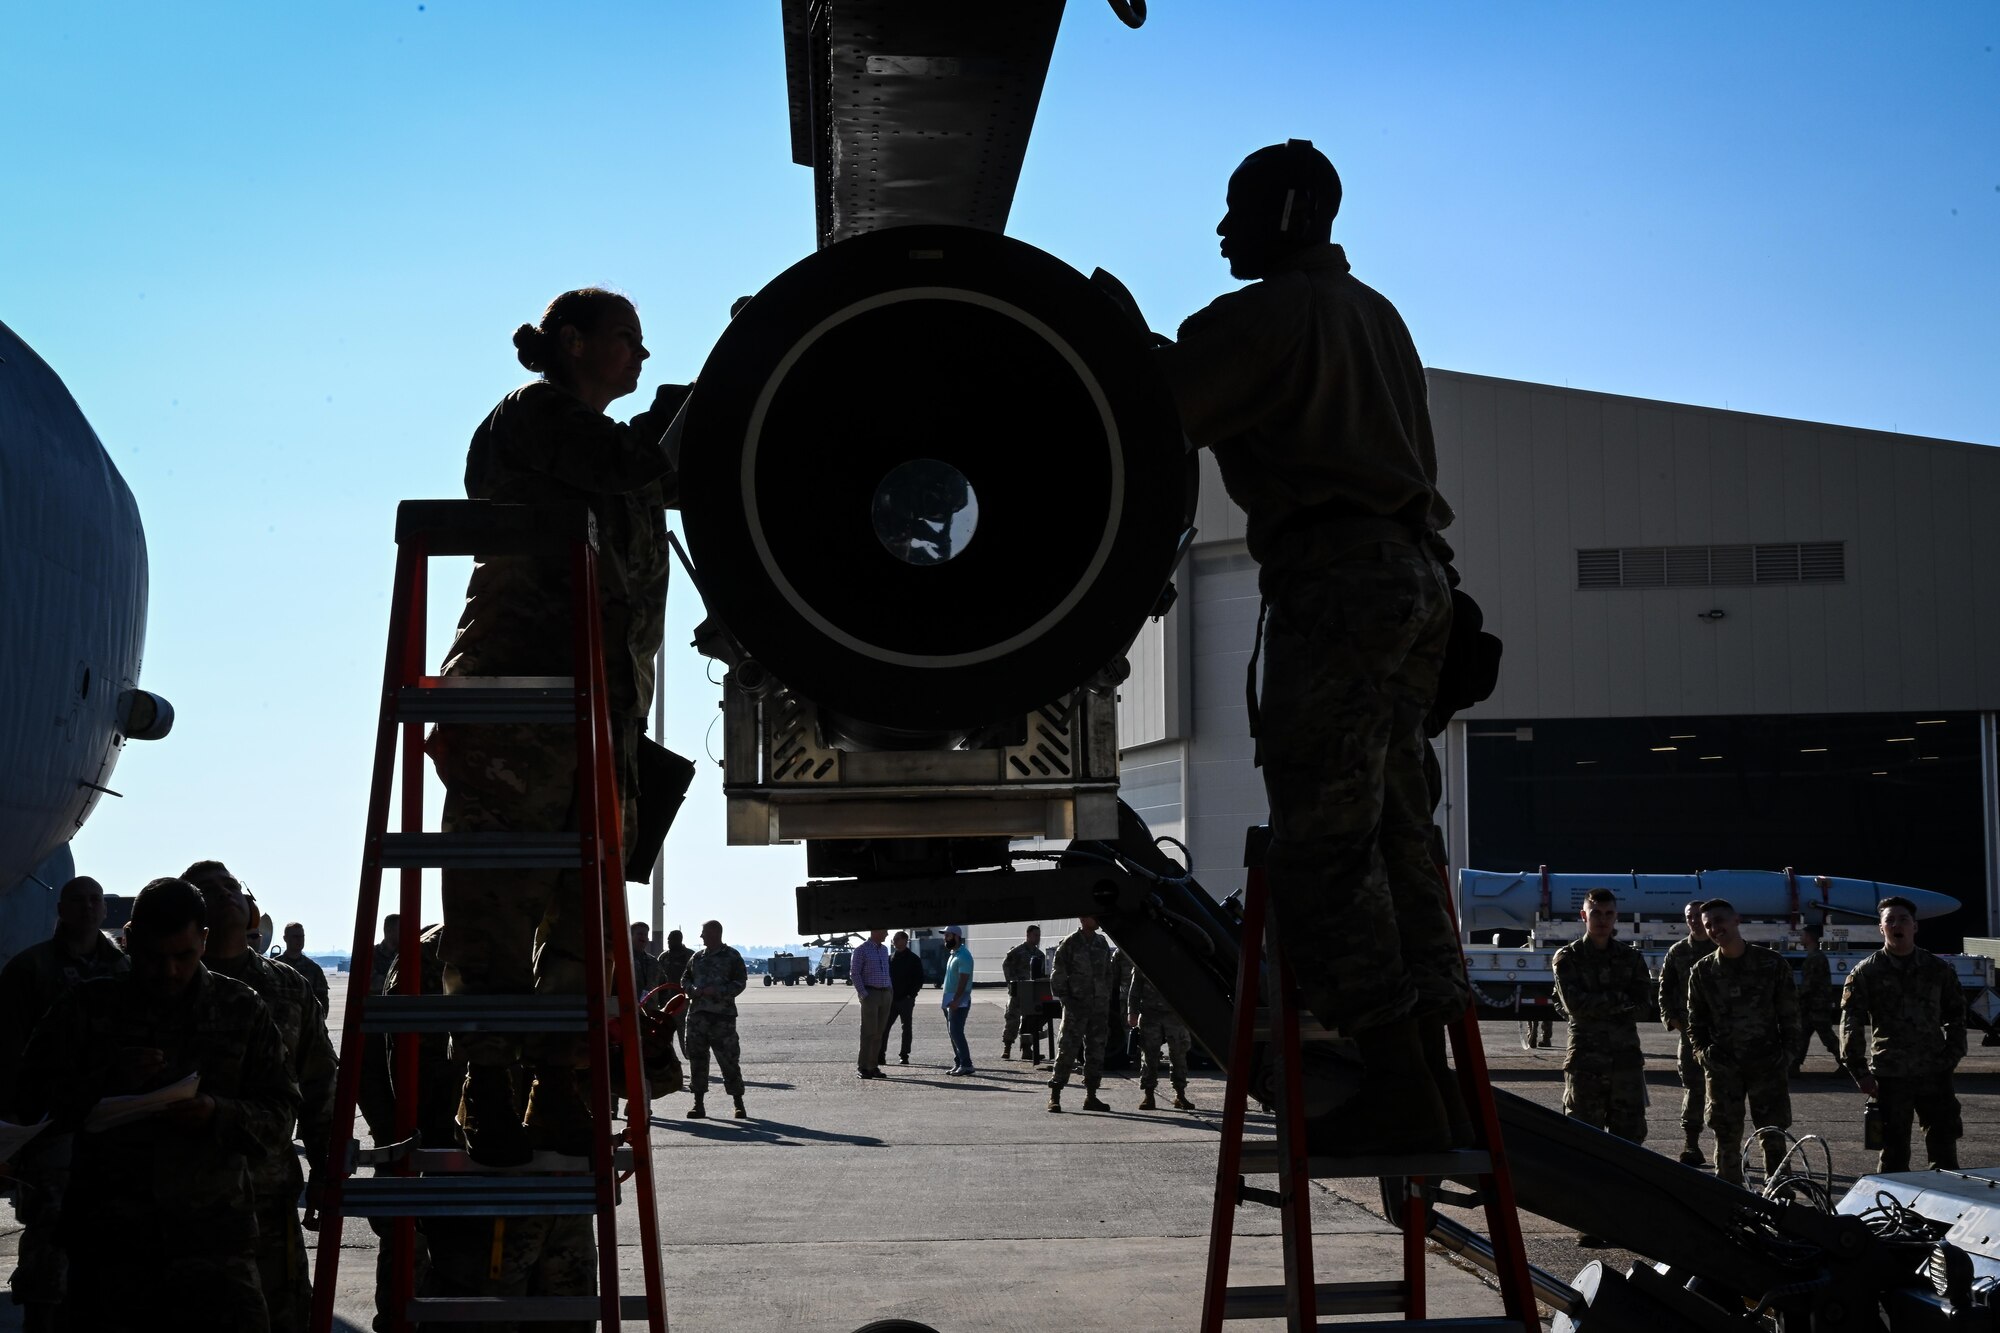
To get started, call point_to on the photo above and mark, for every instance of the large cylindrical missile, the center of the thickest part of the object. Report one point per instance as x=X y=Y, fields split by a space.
x=1499 y=900
x=932 y=477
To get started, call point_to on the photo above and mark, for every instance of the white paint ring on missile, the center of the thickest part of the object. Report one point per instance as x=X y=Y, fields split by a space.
x=754 y=521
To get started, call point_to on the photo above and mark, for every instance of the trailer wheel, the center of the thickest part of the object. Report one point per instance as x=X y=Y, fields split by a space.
x=768 y=979
x=895 y=1326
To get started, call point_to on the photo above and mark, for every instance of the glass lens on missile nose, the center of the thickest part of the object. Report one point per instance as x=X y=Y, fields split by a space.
x=924 y=511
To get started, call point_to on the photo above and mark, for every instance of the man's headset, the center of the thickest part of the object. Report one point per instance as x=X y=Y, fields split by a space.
x=1301 y=209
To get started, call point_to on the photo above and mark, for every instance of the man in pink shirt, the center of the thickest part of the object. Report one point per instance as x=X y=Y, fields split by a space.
x=868 y=969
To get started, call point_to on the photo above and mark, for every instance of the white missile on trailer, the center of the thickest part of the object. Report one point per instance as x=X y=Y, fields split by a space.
x=1505 y=900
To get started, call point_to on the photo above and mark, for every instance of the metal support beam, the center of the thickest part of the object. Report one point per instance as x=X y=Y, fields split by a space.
x=1989 y=808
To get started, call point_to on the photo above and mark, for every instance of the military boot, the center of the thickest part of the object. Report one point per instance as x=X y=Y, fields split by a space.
x=741 y=1114
x=1181 y=1103
x=697 y=1111
x=1728 y=1163
x=1146 y=1102
x=1055 y=1099
x=1006 y=1050
x=1397 y=1108
x=1691 y=1154
x=558 y=1118
x=1090 y=1099
x=489 y=1126
x=1457 y=1115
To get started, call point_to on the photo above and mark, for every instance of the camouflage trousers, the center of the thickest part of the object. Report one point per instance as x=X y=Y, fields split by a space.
x=1607 y=1099
x=1086 y=1031
x=1016 y=1011
x=512 y=1256
x=1765 y=1085
x=1352 y=652
x=1694 y=1089
x=122 y=1282
x=1930 y=1101
x=41 y=1264
x=516 y=932
x=715 y=1033
x=385 y=1278
x=1823 y=1029
x=281 y=1266
x=1154 y=1033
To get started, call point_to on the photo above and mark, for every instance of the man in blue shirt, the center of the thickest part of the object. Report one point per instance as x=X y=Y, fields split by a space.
x=957 y=997
x=868 y=970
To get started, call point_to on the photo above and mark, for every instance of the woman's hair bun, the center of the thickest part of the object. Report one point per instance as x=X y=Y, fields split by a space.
x=531 y=346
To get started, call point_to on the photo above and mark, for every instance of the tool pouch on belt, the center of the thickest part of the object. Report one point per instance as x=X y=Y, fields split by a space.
x=1471 y=660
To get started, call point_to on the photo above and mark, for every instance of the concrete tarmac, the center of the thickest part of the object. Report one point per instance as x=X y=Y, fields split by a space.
x=963 y=1204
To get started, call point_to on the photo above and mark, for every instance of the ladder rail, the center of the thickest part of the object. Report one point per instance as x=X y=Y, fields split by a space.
x=1295 y=1176
x=404 y=1053
x=1235 y=1109
x=347 y=1082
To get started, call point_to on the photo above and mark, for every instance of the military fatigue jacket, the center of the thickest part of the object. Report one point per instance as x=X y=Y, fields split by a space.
x=1142 y=997
x=309 y=1052
x=1310 y=389
x=674 y=962
x=1603 y=992
x=1916 y=1009
x=1816 y=999
x=645 y=971
x=192 y=1187
x=33 y=980
x=1674 y=971
x=314 y=974
x=1024 y=962
x=1743 y=1011
x=720 y=967
x=1082 y=971
x=544 y=445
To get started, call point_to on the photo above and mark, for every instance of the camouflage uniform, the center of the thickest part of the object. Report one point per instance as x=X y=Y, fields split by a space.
x=645 y=971
x=1158 y=1025
x=1680 y=960
x=1024 y=962
x=673 y=966
x=1743 y=1021
x=1918 y=1014
x=154 y=1210
x=711 y=1019
x=513 y=931
x=539 y=1256
x=1603 y=991
x=1081 y=979
x=33 y=980
x=1818 y=1013
x=314 y=974
x=1310 y=391
x=275 y=1179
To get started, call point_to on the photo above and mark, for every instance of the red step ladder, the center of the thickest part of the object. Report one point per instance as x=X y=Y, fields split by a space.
x=1300 y=1301
x=440 y=1181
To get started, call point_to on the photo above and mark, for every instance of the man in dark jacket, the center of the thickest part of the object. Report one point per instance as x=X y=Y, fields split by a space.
x=906 y=981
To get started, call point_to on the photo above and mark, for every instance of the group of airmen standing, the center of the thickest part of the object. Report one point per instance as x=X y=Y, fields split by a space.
x=1089 y=980
x=174 y=1079
x=1745 y=1027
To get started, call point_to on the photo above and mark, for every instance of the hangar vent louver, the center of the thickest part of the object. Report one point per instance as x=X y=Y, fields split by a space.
x=1711 y=566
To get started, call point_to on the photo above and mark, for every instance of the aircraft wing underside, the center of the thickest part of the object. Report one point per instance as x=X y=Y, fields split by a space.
x=913 y=113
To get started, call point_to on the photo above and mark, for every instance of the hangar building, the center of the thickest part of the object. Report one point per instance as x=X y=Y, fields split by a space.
x=1732 y=641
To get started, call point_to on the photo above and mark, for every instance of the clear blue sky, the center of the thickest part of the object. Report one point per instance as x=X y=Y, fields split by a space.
x=277 y=250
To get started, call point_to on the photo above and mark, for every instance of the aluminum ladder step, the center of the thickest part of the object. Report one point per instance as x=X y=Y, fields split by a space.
x=503 y=1195
x=482 y=851
x=1431 y=1166
x=1333 y=1298
x=478 y=1013
x=518 y=1309
x=488 y=699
